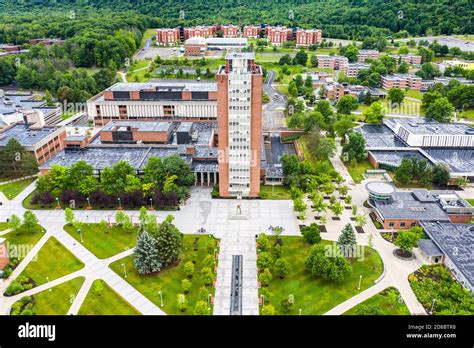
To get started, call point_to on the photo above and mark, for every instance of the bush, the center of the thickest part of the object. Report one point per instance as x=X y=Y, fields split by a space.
x=311 y=233
x=268 y=310
x=265 y=260
x=263 y=242
x=282 y=268
x=189 y=269
x=14 y=288
x=265 y=277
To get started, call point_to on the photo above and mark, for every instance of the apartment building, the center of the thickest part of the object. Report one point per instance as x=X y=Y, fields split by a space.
x=367 y=54
x=338 y=90
x=239 y=105
x=409 y=58
x=154 y=101
x=252 y=31
x=200 y=31
x=353 y=69
x=167 y=36
x=333 y=62
x=307 y=37
x=229 y=30
x=401 y=81
x=278 y=35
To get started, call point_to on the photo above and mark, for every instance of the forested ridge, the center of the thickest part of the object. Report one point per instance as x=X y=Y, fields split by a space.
x=352 y=19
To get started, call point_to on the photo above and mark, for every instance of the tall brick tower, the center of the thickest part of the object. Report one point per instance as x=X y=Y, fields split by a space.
x=239 y=119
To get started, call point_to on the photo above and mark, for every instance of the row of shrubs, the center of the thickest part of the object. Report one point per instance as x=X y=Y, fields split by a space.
x=20 y=284
x=24 y=306
x=100 y=199
x=7 y=271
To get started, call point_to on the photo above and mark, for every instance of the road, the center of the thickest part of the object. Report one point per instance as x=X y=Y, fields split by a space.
x=273 y=117
x=449 y=41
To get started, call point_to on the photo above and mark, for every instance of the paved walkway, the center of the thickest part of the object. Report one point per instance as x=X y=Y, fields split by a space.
x=237 y=235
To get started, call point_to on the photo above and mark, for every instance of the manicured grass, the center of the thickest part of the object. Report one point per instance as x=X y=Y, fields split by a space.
x=413 y=93
x=102 y=300
x=169 y=280
x=58 y=300
x=358 y=170
x=470 y=201
x=20 y=242
x=469 y=113
x=13 y=189
x=146 y=35
x=3 y=226
x=66 y=115
x=469 y=38
x=53 y=261
x=315 y=295
x=383 y=303
x=274 y=192
x=103 y=243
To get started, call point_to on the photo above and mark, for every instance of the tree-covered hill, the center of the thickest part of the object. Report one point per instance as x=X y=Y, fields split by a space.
x=339 y=18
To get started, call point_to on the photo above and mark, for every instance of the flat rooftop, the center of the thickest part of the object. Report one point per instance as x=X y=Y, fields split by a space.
x=456 y=241
x=25 y=135
x=405 y=206
x=458 y=160
x=162 y=86
x=141 y=126
x=429 y=127
x=103 y=157
x=240 y=55
x=379 y=136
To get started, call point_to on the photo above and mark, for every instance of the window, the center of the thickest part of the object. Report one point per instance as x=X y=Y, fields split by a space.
x=402 y=224
x=391 y=224
x=413 y=224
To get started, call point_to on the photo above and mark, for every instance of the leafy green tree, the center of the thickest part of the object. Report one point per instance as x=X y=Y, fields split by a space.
x=114 y=179
x=189 y=269
x=326 y=148
x=333 y=268
x=368 y=310
x=265 y=260
x=343 y=125
x=300 y=58
x=201 y=308
x=441 y=175
x=440 y=110
x=318 y=202
x=265 y=277
x=406 y=240
x=181 y=302
x=29 y=220
x=146 y=257
x=69 y=214
x=185 y=285
x=396 y=95
x=263 y=242
x=282 y=268
x=350 y=51
x=355 y=149
x=429 y=97
x=169 y=241
x=311 y=233
x=403 y=174
x=14 y=223
x=119 y=217
x=347 y=104
x=374 y=113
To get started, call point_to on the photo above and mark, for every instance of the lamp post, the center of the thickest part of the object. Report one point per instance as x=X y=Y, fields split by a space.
x=360 y=280
x=432 y=306
x=300 y=311
x=208 y=302
x=120 y=203
x=88 y=203
x=80 y=234
x=263 y=300
x=57 y=201
x=151 y=203
x=161 y=297
x=124 y=270
x=215 y=254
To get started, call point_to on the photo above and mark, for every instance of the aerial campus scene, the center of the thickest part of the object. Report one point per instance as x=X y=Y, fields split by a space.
x=290 y=158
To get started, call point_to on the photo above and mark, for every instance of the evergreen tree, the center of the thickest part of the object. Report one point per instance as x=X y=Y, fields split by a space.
x=146 y=257
x=347 y=241
x=169 y=241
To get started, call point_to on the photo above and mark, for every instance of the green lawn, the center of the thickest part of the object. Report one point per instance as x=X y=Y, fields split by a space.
x=58 y=300
x=470 y=201
x=23 y=240
x=469 y=38
x=317 y=296
x=413 y=93
x=169 y=280
x=469 y=113
x=358 y=170
x=104 y=244
x=274 y=192
x=12 y=189
x=3 y=226
x=102 y=300
x=383 y=302
x=146 y=35
x=53 y=261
